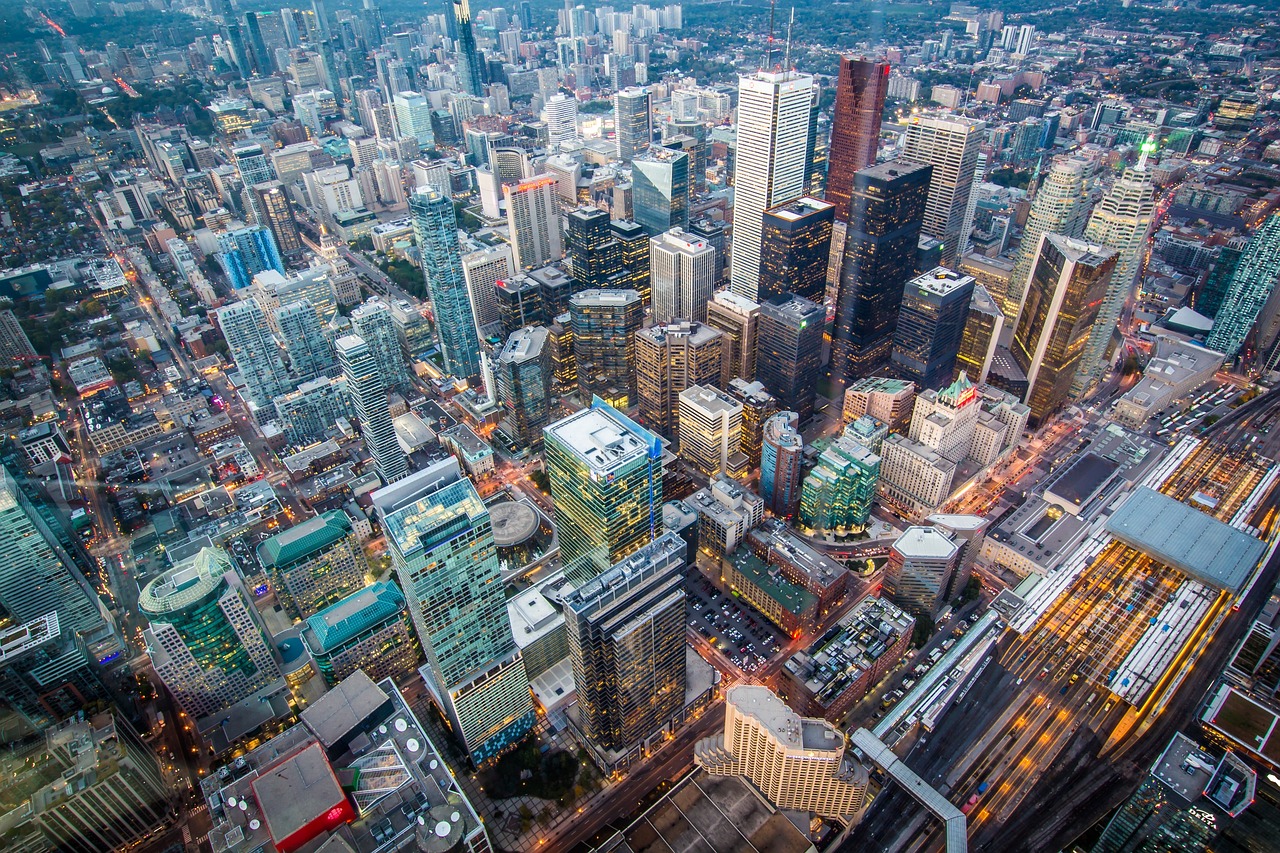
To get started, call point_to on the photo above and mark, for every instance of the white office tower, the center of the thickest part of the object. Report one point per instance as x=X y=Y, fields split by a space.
x=950 y=145
x=533 y=219
x=966 y=229
x=482 y=270
x=369 y=401
x=1059 y=207
x=1121 y=222
x=413 y=117
x=682 y=275
x=560 y=113
x=771 y=165
x=254 y=350
x=798 y=763
x=710 y=428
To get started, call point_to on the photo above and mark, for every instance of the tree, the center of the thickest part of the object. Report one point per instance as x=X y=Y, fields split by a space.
x=923 y=631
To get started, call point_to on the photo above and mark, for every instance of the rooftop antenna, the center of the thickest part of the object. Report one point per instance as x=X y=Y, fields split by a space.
x=768 y=50
x=786 y=57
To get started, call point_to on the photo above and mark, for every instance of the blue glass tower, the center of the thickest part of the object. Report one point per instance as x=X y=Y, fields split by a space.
x=247 y=252
x=1250 y=286
x=436 y=227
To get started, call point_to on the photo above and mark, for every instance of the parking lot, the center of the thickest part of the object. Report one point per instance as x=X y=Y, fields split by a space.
x=730 y=624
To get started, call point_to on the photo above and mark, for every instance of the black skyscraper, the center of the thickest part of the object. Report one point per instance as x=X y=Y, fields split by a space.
x=789 y=352
x=795 y=243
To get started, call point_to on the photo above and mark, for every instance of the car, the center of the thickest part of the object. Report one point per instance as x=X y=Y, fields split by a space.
x=1043 y=673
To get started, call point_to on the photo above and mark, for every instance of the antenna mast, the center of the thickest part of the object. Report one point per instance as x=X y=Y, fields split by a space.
x=786 y=58
x=768 y=50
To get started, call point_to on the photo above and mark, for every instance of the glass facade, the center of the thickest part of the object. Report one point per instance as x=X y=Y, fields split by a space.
x=367 y=390
x=931 y=323
x=790 y=351
x=523 y=377
x=660 y=190
x=837 y=493
x=435 y=227
x=855 y=129
x=1251 y=285
x=605 y=323
x=795 y=247
x=593 y=256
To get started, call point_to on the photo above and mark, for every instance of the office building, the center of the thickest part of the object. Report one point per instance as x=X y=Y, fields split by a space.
x=634 y=243
x=313 y=564
x=47 y=673
x=308 y=348
x=372 y=321
x=886 y=213
x=790 y=351
x=443 y=553
x=739 y=319
x=1250 y=286
x=367 y=630
x=254 y=350
x=770 y=163
x=1068 y=284
x=560 y=115
x=413 y=118
x=1058 y=208
x=632 y=121
x=861 y=86
x=781 y=463
x=252 y=164
x=1236 y=111
x=522 y=374
x=950 y=145
x=245 y=252
x=592 y=255
x=710 y=430
x=605 y=323
x=726 y=513
x=482 y=270
x=931 y=323
x=795 y=246
x=275 y=210
x=435 y=228
x=539 y=629
x=470 y=64
x=797 y=763
x=983 y=325
x=682 y=276
x=627 y=643
x=206 y=642
x=915 y=479
x=669 y=359
x=837 y=494
x=888 y=400
x=533 y=217
x=606 y=483
x=367 y=391
x=520 y=304
x=921 y=562
x=660 y=190
x=758 y=405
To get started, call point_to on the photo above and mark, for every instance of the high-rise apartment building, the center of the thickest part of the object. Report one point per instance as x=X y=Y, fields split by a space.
x=606 y=483
x=790 y=351
x=931 y=323
x=470 y=64
x=252 y=164
x=435 y=226
x=632 y=121
x=861 y=86
x=372 y=321
x=1248 y=290
x=921 y=562
x=481 y=272
x=605 y=323
x=660 y=190
x=781 y=463
x=367 y=390
x=682 y=275
x=739 y=319
x=795 y=246
x=254 y=350
x=886 y=213
x=1058 y=208
x=276 y=211
x=837 y=494
x=533 y=217
x=245 y=252
x=442 y=549
x=797 y=762
x=669 y=359
x=1068 y=284
x=311 y=411
x=626 y=641
x=983 y=324
x=205 y=639
x=523 y=376
x=308 y=348
x=15 y=346
x=770 y=165
x=950 y=145
x=710 y=431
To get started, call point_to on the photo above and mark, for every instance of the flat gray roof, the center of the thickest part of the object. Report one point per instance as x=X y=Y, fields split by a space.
x=1186 y=539
x=344 y=707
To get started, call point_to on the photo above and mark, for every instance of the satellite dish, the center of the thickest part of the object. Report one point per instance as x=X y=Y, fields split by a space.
x=382 y=730
x=434 y=764
x=443 y=828
x=413 y=745
x=455 y=817
x=244 y=807
x=231 y=801
x=422 y=821
x=254 y=824
x=401 y=726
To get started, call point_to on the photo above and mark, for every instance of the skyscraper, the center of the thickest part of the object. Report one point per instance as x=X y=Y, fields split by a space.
x=710 y=429
x=632 y=121
x=921 y=562
x=605 y=323
x=481 y=272
x=592 y=254
x=435 y=226
x=372 y=321
x=245 y=252
x=758 y=405
x=837 y=494
x=254 y=350
x=626 y=641
x=1251 y=284
x=682 y=274
x=413 y=118
x=861 y=86
x=368 y=392
x=982 y=327
x=1067 y=286
x=533 y=217
x=770 y=163
x=276 y=210
x=660 y=190
x=442 y=549
x=795 y=245
x=252 y=164
x=950 y=145
x=790 y=351
x=1058 y=208
x=781 y=462
x=523 y=377
x=1120 y=221
x=309 y=350
x=886 y=211
x=669 y=359
x=634 y=244
x=931 y=323
x=205 y=639
x=467 y=56
x=560 y=114
x=606 y=483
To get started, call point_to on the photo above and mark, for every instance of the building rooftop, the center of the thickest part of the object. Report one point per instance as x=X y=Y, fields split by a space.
x=793 y=597
x=186 y=583
x=784 y=546
x=839 y=657
x=881 y=385
x=532 y=617
x=695 y=333
x=303 y=540
x=602 y=438
x=791 y=730
x=296 y=791
x=513 y=522
x=710 y=399
x=346 y=619
x=472 y=445
x=1186 y=539
x=1184 y=768
x=412 y=431
x=1082 y=479
x=940 y=281
x=799 y=209
x=925 y=543
x=523 y=344
x=339 y=712
x=620 y=576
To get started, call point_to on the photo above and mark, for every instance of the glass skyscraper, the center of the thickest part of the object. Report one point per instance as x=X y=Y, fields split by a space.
x=245 y=252
x=931 y=324
x=1251 y=285
x=593 y=256
x=790 y=351
x=255 y=351
x=632 y=121
x=467 y=56
x=795 y=245
x=443 y=552
x=838 y=492
x=367 y=390
x=435 y=226
x=861 y=87
x=605 y=323
x=660 y=190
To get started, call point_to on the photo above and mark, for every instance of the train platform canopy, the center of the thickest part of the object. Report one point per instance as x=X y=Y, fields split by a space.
x=1186 y=539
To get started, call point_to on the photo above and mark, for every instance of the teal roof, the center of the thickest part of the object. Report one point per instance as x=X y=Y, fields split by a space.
x=352 y=616
x=793 y=597
x=303 y=540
